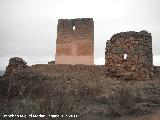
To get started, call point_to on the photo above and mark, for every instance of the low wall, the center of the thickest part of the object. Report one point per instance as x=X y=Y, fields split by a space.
x=54 y=68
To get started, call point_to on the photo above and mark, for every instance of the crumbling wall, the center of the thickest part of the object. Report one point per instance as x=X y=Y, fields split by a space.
x=156 y=72
x=129 y=55
x=69 y=69
x=16 y=64
x=75 y=41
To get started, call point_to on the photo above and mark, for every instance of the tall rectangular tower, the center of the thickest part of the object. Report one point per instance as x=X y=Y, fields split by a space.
x=75 y=41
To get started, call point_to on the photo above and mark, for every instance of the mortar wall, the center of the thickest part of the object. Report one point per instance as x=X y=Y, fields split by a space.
x=75 y=41
x=137 y=46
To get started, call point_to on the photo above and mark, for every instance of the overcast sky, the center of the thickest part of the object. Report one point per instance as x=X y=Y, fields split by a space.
x=28 y=27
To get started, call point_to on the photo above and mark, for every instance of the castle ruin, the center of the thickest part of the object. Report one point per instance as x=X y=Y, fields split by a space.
x=129 y=55
x=75 y=41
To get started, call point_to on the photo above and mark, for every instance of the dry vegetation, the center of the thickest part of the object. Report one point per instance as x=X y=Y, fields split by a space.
x=89 y=95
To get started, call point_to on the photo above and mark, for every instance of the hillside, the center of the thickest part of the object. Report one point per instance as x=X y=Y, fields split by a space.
x=78 y=90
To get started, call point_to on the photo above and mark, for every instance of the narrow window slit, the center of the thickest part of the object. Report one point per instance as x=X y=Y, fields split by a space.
x=73 y=27
x=125 y=56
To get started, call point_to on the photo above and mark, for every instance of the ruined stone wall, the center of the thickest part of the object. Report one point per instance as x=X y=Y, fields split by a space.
x=129 y=55
x=69 y=69
x=75 y=41
x=16 y=64
x=157 y=72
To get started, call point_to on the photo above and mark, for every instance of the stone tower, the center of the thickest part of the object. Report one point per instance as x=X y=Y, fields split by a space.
x=75 y=41
x=129 y=55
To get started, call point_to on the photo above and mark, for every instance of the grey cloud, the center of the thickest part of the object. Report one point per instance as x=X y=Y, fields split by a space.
x=28 y=27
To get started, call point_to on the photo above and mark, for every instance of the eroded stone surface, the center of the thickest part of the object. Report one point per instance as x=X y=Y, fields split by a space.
x=16 y=64
x=75 y=41
x=129 y=54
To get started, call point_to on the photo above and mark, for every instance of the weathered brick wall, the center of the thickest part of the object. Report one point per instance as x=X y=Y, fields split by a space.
x=75 y=41
x=138 y=48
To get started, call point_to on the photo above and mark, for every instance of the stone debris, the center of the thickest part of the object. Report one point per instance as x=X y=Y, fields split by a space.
x=51 y=62
x=16 y=64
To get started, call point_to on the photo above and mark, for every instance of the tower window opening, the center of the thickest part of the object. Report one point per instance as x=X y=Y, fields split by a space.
x=73 y=27
x=125 y=56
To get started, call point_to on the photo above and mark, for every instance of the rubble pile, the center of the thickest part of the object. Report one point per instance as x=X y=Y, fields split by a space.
x=16 y=64
x=51 y=62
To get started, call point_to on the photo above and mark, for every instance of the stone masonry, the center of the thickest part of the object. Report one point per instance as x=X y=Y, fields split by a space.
x=75 y=41
x=16 y=64
x=129 y=55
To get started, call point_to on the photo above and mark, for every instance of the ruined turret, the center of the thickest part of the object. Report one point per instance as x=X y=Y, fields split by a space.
x=16 y=64
x=129 y=55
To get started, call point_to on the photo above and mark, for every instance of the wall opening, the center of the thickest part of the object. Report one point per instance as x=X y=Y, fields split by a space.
x=73 y=27
x=125 y=56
